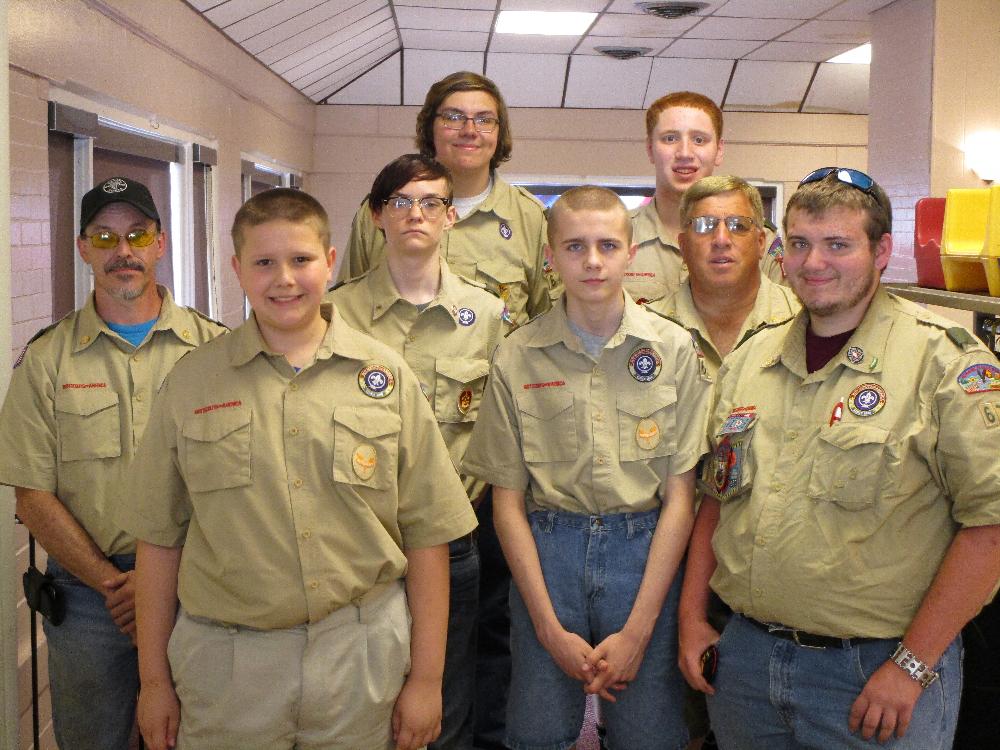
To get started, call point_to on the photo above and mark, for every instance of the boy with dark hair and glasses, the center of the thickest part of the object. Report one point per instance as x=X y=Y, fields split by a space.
x=446 y=328
x=851 y=505
x=78 y=402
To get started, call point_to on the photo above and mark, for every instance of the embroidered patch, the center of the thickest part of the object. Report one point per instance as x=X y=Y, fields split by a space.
x=991 y=414
x=777 y=248
x=363 y=461
x=465 y=401
x=866 y=400
x=213 y=407
x=73 y=386
x=466 y=316
x=505 y=230
x=855 y=355
x=738 y=421
x=549 y=384
x=115 y=185
x=727 y=466
x=376 y=381
x=644 y=364
x=980 y=378
x=647 y=434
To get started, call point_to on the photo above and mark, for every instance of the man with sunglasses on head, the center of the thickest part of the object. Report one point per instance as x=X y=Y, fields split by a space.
x=78 y=403
x=854 y=496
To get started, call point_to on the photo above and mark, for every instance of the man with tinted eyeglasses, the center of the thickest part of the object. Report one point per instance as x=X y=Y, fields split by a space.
x=77 y=405
x=854 y=496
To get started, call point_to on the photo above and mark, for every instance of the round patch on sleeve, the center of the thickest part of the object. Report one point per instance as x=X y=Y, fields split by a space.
x=644 y=364
x=466 y=316
x=866 y=400
x=980 y=378
x=376 y=381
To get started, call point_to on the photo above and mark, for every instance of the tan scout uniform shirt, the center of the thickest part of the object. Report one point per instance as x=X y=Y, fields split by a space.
x=78 y=404
x=591 y=437
x=448 y=344
x=658 y=268
x=775 y=304
x=292 y=493
x=498 y=245
x=835 y=519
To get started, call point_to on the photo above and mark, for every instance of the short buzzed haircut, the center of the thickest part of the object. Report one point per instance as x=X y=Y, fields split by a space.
x=684 y=99
x=816 y=198
x=707 y=187
x=287 y=204
x=587 y=198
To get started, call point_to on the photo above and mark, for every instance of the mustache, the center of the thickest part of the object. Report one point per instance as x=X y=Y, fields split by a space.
x=123 y=264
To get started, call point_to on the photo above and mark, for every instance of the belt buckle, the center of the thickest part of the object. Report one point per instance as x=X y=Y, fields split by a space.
x=798 y=641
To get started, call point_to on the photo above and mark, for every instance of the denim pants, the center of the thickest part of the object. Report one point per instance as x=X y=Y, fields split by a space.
x=93 y=668
x=458 y=688
x=593 y=566
x=771 y=694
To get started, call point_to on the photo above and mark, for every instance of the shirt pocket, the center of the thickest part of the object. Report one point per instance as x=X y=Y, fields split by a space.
x=215 y=450
x=458 y=388
x=849 y=465
x=647 y=423
x=365 y=447
x=548 y=427
x=88 y=424
x=507 y=281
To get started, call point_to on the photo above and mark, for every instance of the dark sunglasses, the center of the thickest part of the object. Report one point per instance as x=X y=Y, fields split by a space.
x=852 y=177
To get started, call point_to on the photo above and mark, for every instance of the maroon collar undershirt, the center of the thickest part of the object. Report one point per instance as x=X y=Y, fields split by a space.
x=821 y=349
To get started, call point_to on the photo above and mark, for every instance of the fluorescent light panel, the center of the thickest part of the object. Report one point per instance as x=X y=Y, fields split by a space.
x=859 y=55
x=548 y=23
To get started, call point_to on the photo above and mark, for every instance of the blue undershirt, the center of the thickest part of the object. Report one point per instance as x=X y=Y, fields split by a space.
x=134 y=333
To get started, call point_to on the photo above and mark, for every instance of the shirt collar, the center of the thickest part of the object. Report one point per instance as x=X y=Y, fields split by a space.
x=555 y=328
x=384 y=294
x=500 y=201
x=90 y=325
x=646 y=226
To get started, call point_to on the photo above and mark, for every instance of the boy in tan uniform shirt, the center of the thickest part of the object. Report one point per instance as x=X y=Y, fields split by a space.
x=291 y=478
x=446 y=328
x=596 y=408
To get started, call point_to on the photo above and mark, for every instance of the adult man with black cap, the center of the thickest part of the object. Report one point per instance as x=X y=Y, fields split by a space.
x=77 y=405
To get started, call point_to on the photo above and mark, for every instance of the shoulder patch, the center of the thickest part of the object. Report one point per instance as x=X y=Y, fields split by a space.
x=962 y=338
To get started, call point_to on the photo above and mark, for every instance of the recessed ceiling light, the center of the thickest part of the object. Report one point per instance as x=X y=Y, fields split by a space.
x=859 y=55
x=548 y=23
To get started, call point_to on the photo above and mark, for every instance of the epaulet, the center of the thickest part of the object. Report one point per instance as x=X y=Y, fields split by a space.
x=525 y=325
x=205 y=317
x=41 y=332
x=351 y=280
x=534 y=198
x=768 y=224
x=477 y=285
x=962 y=338
x=662 y=315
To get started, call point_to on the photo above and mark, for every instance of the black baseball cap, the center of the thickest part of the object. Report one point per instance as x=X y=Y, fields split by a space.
x=117 y=190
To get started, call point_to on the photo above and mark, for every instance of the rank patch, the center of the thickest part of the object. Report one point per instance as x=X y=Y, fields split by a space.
x=465 y=401
x=855 y=355
x=363 y=461
x=991 y=414
x=647 y=434
x=980 y=378
x=644 y=364
x=866 y=400
x=376 y=381
x=466 y=316
x=505 y=231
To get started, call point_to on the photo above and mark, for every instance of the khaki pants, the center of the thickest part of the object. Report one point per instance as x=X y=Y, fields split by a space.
x=330 y=685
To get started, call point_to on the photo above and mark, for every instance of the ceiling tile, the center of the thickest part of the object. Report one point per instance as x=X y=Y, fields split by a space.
x=579 y=6
x=720 y=49
x=330 y=60
x=802 y=9
x=775 y=86
x=454 y=4
x=533 y=43
x=421 y=68
x=328 y=34
x=589 y=43
x=855 y=10
x=528 y=80
x=445 y=40
x=798 y=51
x=324 y=51
x=840 y=32
x=620 y=24
x=235 y=10
x=378 y=86
x=741 y=28
x=629 y=6
x=839 y=88
x=201 y=5
x=445 y=20
x=708 y=77
x=605 y=83
x=308 y=27
x=275 y=15
x=344 y=75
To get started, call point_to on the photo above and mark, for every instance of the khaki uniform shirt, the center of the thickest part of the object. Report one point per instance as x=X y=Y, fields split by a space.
x=292 y=493
x=498 y=245
x=592 y=437
x=658 y=268
x=78 y=404
x=842 y=489
x=775 y=305
x=448 y=344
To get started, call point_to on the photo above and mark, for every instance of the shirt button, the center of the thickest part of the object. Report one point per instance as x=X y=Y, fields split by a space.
x=314 y=585
x=598 y=416
x=85 y=339
x=853 y=474
x=409 y=339
x=778 y=486
x=600 y=460
x=761 y=542
x=791 y=434
x=306 y=534
x=293 y=431
x=839 y=484
x=185 y=334
x=136 y=358
x=297 y=483
x=138 y=397
x=758 y=592
x=293 y=387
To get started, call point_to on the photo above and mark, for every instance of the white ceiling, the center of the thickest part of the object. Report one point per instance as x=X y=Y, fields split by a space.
x=760 y=55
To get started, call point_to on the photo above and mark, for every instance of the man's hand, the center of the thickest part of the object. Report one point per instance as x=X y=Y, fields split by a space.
x=570 y=652
x=621 y=655
x=119 y=598
x=694 y=636
x=416 y=717
x=159 y=715
x=885 y=704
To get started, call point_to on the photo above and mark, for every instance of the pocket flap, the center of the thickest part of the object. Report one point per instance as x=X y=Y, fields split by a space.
x=462 y=370
x=847 y=436
x=648 y=402
x=371 y=423
x=215 y=425
x=85 y=402
x=545 y=403
x=500 y=270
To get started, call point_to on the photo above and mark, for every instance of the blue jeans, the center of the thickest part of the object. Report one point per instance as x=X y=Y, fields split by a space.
x=460 y=653
x=93 y=668
x=593 y=566
x=771 y=694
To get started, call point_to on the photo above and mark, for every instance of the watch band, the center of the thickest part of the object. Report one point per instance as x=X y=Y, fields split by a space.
x=909 y=663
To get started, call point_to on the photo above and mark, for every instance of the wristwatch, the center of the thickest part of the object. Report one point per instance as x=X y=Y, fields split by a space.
x=909 y=663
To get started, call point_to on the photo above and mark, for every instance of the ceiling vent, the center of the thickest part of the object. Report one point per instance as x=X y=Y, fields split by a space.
x=623 y=53
x=670 y=10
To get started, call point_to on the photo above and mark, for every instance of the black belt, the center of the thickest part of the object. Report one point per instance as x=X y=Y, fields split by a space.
x=809 y=640
x=463 y=544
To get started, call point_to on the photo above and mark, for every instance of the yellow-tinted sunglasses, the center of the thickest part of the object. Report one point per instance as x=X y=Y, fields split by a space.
x=136 y=238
